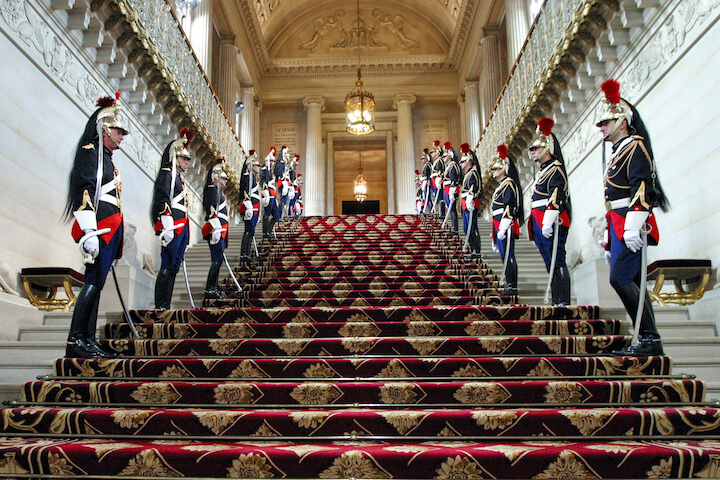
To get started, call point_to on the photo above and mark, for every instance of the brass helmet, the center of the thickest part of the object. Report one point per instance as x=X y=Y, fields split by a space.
x=614 y=107
x=465 y=150
x=500 y=161
x=543 y=136
x=426 y=155
x=180 y=145
x=437 y=147
x=447 y=149
x=253 y=159
x=109 y=116
x=219 y=169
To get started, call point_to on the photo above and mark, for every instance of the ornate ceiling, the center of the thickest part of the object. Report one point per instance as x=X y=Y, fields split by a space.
x=308 y=40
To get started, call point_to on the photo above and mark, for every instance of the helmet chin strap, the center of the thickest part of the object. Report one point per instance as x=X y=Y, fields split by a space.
x=618 y=122
x=111 y=136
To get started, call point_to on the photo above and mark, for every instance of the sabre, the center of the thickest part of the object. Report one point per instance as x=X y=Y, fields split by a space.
x=554 y=258
x=643 y=288
x=449 y=210
x=232 y=274
x=503 y=279
x=257 y=254
x=122 y=303
x=467 y=235
x=187 y=282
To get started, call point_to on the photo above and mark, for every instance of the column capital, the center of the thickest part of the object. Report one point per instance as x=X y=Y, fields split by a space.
x=316 y=99
x=460 y=99
x=471 y=84
x=490 y=31
x=228 y=40
x=403 y=97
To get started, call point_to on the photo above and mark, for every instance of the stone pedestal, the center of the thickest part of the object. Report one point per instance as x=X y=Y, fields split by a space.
x=16 y=312
x=591 y=285
x=137 y=287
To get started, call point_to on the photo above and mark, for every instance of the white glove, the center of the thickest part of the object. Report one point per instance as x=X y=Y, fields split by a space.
x=451 y=193
x=548 y=221
x=216 y=236
x=605 y=239
x=266 y=197
x=494 y=247
x=607 y=257
x=285 y=189
x=168 y=232
x=503 y=228
x=291 y=194
x=470 y=203
x=438 y=183
x=633 y=240
x=92 y=244
x=248 y=209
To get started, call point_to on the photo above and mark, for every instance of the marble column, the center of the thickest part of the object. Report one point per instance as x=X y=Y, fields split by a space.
x=492 y=77
x=517 y=20
x=472 y=113
x=314 y=188
x=247 y=124
x=460 y=99
x=227 y=84
x=405 y=158
x=201 y=34
x=330 y=175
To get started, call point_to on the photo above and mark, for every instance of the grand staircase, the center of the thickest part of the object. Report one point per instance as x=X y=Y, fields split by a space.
x=361 y=349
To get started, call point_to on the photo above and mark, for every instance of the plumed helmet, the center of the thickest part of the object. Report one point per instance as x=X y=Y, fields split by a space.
x=500 y=160
x=253 y=159
x=182 y=142
x=465 y=151
x=109 y=114
x=614 y=107
x=543 y=136
x=219 y=169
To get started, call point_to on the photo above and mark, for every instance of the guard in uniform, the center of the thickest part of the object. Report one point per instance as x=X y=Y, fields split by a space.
x=551 y=208
x=215 y=230
x=94 y=202
x=169 y=215
x=292 y=190
x=282 y=165
x=470 y=198
x=271 y=213
x=250 y=207
x=508 y=214
x=425 y=180
x=451 y=185
x=436 y=180
x=632 y=189
x=297 y=201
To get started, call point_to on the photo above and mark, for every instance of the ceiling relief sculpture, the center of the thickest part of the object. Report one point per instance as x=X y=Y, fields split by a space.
x=384 y=33
x=311 y=38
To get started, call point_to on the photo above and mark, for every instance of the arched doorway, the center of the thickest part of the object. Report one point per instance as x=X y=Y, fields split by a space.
x=351 y=153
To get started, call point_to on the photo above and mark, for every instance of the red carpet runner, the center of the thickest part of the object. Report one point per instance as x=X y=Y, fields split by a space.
x=364 y=347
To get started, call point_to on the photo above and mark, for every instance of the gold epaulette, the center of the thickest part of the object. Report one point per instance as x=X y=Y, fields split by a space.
x=89 y=146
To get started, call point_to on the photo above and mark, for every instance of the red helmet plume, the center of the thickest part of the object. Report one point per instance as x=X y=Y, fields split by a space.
x=447 y=145
x=436 y=143
x=188 y=134
x=611 y=89
x=465 y=148
x=546 y=125
x=503 y=151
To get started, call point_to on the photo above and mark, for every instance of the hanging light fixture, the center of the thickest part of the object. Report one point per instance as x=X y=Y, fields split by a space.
x=360 y=182
x=359 y=103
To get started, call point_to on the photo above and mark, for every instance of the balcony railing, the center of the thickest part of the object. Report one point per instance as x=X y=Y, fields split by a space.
x=167 y=50
x=555 y=45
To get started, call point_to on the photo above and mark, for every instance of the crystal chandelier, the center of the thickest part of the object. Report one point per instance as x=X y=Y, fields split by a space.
x=359 y=103
x=360 y=183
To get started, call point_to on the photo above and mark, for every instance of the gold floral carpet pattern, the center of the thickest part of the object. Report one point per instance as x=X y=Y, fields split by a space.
x=364 y=347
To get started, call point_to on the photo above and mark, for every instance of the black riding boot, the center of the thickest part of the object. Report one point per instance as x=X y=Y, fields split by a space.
x=474 y=244
x=245 y=247
x=455 y=220
x=563 y=286
x=266 y=226
x=163 y=289
x=91 y=331
x=511 y=273
x=649 y=342
x=85 y=304
x=211 y=286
